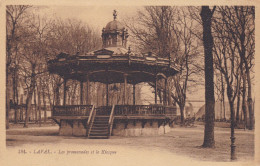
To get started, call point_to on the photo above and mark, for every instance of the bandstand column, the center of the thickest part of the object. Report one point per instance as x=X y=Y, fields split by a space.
x=165 y=91
x=88 y=91
x=133 y=94
x=81 y=92
x=107 y=93
x=125 y=84
x=169 y=96
x=64 y=91
x=155 y=89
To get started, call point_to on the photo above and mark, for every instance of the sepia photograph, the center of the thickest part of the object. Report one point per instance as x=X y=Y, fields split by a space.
x=129 y=84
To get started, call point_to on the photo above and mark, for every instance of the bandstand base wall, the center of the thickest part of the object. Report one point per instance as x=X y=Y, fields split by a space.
x=72 y=128
x=151 y=128
x=120 y=128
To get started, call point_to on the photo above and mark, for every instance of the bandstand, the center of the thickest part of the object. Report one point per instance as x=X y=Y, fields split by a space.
x=114 y=63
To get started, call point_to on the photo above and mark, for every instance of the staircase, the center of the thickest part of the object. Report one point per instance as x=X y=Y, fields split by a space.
x=100 y=128
x=101 y=123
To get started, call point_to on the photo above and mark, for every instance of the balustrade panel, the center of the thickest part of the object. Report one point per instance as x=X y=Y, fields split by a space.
x=103 y=110
x=143 y=110
x=72 y=110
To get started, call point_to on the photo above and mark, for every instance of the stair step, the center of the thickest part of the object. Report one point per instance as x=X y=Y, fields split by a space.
x=98 y=137
x=104 y=136
x=99 y=121
x=104 y=132
x=100 y=124
x=98 y=133
x=101 y=118
x=97 y=116
x=99 y=128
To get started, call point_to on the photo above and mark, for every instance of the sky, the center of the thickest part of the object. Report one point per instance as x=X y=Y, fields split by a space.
x=96 y=16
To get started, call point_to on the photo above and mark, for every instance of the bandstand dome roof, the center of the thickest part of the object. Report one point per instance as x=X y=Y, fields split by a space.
x=113 y=62
x=114 y=25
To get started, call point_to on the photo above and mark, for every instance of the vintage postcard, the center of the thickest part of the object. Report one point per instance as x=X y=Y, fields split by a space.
x=129 y=83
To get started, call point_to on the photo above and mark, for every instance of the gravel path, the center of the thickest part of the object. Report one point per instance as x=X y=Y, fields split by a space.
x=181 y=144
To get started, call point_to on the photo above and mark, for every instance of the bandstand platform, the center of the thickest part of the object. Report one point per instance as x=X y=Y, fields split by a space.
x=114 y=63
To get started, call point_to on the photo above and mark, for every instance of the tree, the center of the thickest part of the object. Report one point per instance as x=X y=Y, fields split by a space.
x=31 y=41
x=33 y=51
x=186 y=54
x=219 y=90
x=240 y=22
x=206 y=17
x=73 y=37
x=229 y=63
x=14 y=18
x=168 y=32
x=152 y=30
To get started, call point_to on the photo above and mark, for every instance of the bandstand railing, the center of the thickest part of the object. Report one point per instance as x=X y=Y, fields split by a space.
x=104 y=110
x=170 y=110
x=144 y=110
x=72 y=110
x=119 y=110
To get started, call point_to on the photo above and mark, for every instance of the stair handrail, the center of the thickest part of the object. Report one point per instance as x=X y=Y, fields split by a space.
x=90 y=119
x=111 y=119
x=90 y=115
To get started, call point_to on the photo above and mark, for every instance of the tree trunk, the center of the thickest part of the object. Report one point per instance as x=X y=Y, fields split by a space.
x=238 y=105
x=51 y=102
x=14 y=96
x=44 y=105
x=29 y=97
x=35 y=105
x=39 y=102
x=244 y=100
x=250 y=101
x=223 y=96
x=21 y=109
x=28 y=107
x=17 y=96
x=206 y=15
x=182 y=114
x=249 y=95
x=8 y=90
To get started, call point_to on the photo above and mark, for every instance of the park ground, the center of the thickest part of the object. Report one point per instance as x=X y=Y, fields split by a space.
x=182 y=144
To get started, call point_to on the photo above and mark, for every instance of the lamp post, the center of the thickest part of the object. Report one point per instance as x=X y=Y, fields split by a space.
x=232 y=137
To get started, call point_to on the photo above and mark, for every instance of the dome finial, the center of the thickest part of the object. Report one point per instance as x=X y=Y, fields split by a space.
x=115 y=14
